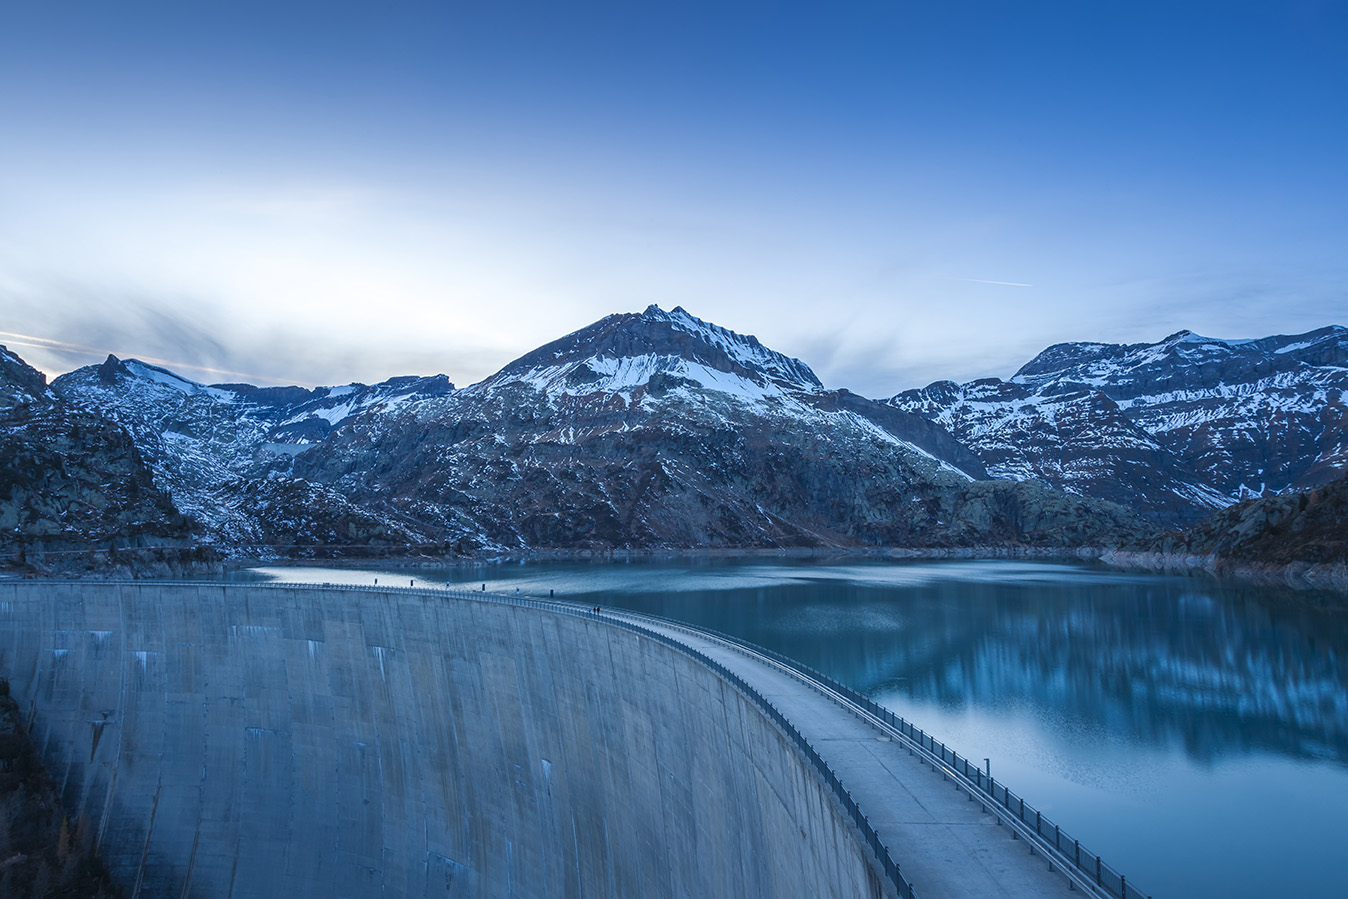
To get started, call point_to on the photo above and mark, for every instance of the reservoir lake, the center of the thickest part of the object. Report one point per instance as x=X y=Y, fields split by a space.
x=1194 y=733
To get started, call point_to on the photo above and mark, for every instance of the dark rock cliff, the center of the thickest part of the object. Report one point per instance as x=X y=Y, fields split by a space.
x=72 y=481
x=1309 y=526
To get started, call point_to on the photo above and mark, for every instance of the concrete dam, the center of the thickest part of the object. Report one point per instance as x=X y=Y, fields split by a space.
x=253 y=741
x=233 y=740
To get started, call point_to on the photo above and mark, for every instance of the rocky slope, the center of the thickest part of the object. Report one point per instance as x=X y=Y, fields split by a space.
x=224 y=451
x=1309 y=527
x=71 y=481
x=660 y=429
x=1176 y=429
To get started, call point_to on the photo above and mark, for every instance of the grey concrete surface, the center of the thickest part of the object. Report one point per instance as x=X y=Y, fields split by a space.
x=947 y=846
x=240 y=741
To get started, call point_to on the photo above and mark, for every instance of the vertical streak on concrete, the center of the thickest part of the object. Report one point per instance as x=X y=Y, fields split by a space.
x=306 y=742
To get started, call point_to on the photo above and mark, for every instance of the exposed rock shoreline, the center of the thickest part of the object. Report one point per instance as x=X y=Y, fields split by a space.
x=124 y=563
x=1298 y=575
x=144 y=565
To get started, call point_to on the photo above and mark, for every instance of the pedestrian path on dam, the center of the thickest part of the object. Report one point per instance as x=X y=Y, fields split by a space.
x=946 y=843
x=254 y=740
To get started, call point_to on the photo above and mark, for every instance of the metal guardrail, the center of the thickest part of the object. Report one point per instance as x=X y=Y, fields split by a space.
x=1090 y=870
x=1087 y=869
x=869 y=834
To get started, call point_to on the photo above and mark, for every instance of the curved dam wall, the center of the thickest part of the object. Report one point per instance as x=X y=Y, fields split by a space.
x=241 y=741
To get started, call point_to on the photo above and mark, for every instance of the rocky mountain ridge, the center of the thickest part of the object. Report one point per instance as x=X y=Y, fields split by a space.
x=659 y=430
x=1309 y=527
x=223 y=451
x=73 y=482
x=1176 y=429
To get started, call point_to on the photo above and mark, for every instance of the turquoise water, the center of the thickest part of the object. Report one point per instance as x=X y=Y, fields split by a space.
x=1195 y=735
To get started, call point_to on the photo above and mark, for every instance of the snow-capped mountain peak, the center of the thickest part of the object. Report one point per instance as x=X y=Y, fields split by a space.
x=660 y=351
x=1178 y=427
x=744 y=349
x=1187 y=336
x=113 y=369
x=290 y=414
x=203 y=441
x=1184 y=357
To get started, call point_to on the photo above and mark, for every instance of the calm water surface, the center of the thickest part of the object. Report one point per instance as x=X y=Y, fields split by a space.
x=1195 y=735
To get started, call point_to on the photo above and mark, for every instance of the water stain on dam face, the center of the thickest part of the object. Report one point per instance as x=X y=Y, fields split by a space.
x=241 y=740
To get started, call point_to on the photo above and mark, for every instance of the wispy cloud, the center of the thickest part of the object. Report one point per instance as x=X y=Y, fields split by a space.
x=64 y=325
x=985 y=281
x=191 y=335
x=60 y=346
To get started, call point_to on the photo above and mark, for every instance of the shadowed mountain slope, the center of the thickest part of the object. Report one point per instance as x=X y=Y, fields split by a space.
x=1175 y=429
x=660 y=429
x=71 y=480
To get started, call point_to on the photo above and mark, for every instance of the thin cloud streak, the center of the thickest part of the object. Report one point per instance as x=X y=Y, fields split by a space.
x=59 y=346
x=1003 y=283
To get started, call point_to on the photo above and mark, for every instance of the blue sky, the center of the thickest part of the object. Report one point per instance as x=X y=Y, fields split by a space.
x=895 y=192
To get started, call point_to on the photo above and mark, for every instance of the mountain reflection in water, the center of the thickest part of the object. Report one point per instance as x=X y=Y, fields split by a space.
x=1155 y=663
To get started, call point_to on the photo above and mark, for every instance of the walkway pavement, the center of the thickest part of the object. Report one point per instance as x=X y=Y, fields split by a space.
x=946 y=847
